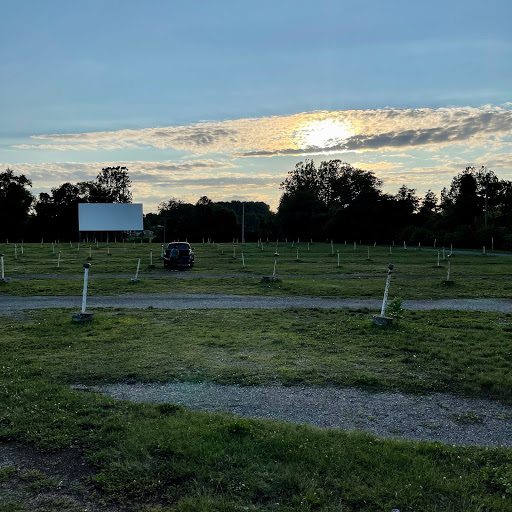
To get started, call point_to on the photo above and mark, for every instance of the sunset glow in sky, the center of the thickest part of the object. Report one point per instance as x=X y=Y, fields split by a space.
x=223 y=98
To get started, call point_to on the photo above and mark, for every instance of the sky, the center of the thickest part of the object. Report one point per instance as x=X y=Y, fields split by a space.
x=223 y=98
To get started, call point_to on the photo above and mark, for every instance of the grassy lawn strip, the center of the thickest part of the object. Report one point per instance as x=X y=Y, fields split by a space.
x=165 y=458
x=465 y=353
x=423 y=288
x=218 y=258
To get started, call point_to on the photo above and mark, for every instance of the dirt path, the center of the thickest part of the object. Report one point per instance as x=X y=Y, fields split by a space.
x=42 y=481
x=9 y=304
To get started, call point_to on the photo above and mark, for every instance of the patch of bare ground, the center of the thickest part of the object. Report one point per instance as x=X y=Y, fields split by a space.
x=32 y=480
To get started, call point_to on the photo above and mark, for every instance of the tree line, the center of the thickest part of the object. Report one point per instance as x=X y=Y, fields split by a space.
x=331 y=201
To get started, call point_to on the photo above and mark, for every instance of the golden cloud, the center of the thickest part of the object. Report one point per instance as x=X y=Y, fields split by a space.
x=323 y=132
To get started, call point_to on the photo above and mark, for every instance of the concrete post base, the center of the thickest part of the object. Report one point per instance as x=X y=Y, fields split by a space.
x=82 y=318
x=382 y=321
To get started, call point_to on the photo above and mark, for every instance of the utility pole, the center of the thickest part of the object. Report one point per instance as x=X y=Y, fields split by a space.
x=486 y=185
x=243 y=223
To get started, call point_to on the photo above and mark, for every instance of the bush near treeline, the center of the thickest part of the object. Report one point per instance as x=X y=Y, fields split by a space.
x=331 y=201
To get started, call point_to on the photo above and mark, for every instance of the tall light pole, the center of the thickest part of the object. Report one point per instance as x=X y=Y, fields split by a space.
x=243 y=223
x=486 y=186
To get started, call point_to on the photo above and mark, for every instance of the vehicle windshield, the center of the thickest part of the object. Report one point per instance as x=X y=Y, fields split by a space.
x=181 y=246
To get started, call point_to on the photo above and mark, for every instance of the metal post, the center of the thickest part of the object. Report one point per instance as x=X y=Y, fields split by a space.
x=386 y=290
x=243 y=261
x=438 y=256
x=86 y=277
x=448 y=273
x=137 y=273
x=234 y=251
x=2 y=258
x=58 y=260
x=368 y=253
x=90 y=251
x=276 y=254
x=151 y=257
x=338 y=258
x=297 y=254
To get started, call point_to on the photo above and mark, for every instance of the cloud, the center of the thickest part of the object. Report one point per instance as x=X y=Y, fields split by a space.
x=378 y=166
x=323 y=132
x=56 y=173
x=153 y=182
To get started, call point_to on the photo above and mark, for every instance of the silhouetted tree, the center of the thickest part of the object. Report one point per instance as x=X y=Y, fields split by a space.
x=112 y=185
x=347 y=193
x=15 y=203
x=428 y=204
x=57 y=214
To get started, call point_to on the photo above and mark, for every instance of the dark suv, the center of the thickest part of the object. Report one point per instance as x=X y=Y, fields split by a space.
x=185 y=256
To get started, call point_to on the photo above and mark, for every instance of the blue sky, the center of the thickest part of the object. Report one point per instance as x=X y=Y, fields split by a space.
x=223 y=98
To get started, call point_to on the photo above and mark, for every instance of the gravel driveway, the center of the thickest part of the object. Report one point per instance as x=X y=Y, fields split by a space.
x=436 y=417
x=10 y=304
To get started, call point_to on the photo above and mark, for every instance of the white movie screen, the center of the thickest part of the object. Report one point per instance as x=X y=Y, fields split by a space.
x=110 y=217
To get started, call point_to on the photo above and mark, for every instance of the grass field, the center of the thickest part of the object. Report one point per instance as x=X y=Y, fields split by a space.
x=211 y=258
x=163 y=458
x=316 y=273
x=158 y=458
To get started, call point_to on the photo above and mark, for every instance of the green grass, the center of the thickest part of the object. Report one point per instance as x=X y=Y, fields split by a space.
x=464 y=353
x=212 y=258
x=421 y=288
x=316 y=274
x=166 y=458
x=157 y=459
x=163 y=458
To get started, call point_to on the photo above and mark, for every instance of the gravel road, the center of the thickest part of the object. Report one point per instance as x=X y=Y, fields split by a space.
x=436 y=417
x=10 y=304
